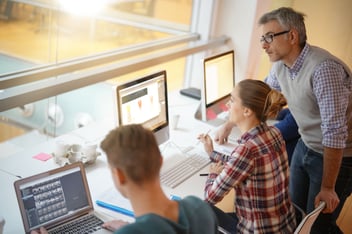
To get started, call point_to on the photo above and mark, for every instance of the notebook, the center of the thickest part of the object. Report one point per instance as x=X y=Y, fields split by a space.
x=57 y=198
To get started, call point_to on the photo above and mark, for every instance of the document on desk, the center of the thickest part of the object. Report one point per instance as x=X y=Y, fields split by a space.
x=113 y=200
x=229 y=146
x=226 y=148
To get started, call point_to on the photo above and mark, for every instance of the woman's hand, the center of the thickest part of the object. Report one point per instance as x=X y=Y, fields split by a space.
x=216 y=167
x=207 y=142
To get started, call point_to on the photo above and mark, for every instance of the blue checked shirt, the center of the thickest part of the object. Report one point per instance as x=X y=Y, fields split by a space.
x=331 y=89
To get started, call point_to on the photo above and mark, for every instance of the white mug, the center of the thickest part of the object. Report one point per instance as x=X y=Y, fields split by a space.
x=174 y=121
x=75 y=153
x=89 y=152
x=61 y=148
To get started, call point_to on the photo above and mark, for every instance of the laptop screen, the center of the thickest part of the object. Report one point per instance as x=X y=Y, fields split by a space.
x=53 y=197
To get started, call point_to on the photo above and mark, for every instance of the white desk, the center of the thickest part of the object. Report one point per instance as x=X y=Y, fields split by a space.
x=8 y=204
x=23 y=164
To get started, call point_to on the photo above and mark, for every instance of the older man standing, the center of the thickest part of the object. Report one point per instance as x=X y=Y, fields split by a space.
x=318 y=88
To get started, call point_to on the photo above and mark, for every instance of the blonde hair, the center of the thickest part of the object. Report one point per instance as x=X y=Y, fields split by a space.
x=260 y=98
x=133 y=149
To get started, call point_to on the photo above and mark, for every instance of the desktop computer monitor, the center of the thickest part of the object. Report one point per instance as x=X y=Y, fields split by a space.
x=144 y=101
x=218 y=82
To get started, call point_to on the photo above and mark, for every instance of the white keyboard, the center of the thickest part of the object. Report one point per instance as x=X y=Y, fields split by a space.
x=183 y=170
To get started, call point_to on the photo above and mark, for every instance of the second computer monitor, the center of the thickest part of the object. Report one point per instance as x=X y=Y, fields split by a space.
x=218 y=82
x=144 y=101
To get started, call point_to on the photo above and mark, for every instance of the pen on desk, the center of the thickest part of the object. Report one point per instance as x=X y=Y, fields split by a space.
x=204 y=135
x=115 y=208
x=175 y=198
x=203 y=174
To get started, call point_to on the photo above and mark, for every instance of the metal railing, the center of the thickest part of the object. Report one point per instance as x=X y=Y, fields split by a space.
x=42 y=72
x=18 y=89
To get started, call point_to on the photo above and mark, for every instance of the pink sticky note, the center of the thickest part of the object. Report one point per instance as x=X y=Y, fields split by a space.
x=42 y=156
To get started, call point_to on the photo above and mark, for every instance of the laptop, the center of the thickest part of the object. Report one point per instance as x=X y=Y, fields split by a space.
x=57 y=199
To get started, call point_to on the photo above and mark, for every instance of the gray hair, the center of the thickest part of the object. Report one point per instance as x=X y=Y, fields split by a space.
x=288 y=19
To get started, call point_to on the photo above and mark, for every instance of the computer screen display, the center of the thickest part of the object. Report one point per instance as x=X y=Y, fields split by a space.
x=144 y=101
x=219 y=79
x=218 y=76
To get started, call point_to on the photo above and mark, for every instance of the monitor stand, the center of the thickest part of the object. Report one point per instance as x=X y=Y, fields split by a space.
x=191 y=92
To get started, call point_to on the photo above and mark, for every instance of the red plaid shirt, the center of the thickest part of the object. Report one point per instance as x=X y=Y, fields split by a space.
x=258 y=171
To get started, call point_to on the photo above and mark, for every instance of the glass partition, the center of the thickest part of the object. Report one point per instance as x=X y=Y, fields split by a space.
x=41 y=34
x=49 y=31
x=59 y=65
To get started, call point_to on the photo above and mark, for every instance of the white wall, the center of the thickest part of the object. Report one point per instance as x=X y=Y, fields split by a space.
x=236 y=19
x=330 y=27
x=233 y=18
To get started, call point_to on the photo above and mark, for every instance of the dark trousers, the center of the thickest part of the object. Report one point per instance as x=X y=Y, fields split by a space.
x=306 y=171
x=227 y=221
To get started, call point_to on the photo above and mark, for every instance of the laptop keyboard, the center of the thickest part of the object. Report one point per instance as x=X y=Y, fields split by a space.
x=85 y=224
x=183 y=170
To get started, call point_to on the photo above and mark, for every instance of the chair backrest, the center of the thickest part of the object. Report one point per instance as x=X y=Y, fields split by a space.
x=305 y=221
x=222 y=230
x=306 y=224
x=300 y=214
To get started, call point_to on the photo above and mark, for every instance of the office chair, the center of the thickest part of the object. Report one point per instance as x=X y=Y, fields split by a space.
x=308 y=220
x=305 y=221
x=300 y=214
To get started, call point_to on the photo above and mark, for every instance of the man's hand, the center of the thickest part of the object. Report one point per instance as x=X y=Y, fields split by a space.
x=40 y=231
x=222 y=134
x=330 y=197
x=114 y=225
x=332 y=164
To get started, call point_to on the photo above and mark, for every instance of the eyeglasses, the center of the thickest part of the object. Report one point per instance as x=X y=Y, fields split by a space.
x=270 y=37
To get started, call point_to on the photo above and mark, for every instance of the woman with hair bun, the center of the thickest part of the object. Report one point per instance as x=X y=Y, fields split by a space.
x=257 y=168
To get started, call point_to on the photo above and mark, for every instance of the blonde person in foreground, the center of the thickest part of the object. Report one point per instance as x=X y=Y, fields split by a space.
x=135 y=161
x=257 y=168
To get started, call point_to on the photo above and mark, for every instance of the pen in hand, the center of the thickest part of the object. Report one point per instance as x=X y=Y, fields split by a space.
x=204 y=135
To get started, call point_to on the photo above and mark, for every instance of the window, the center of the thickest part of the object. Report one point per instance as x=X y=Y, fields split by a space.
x=51 y=51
